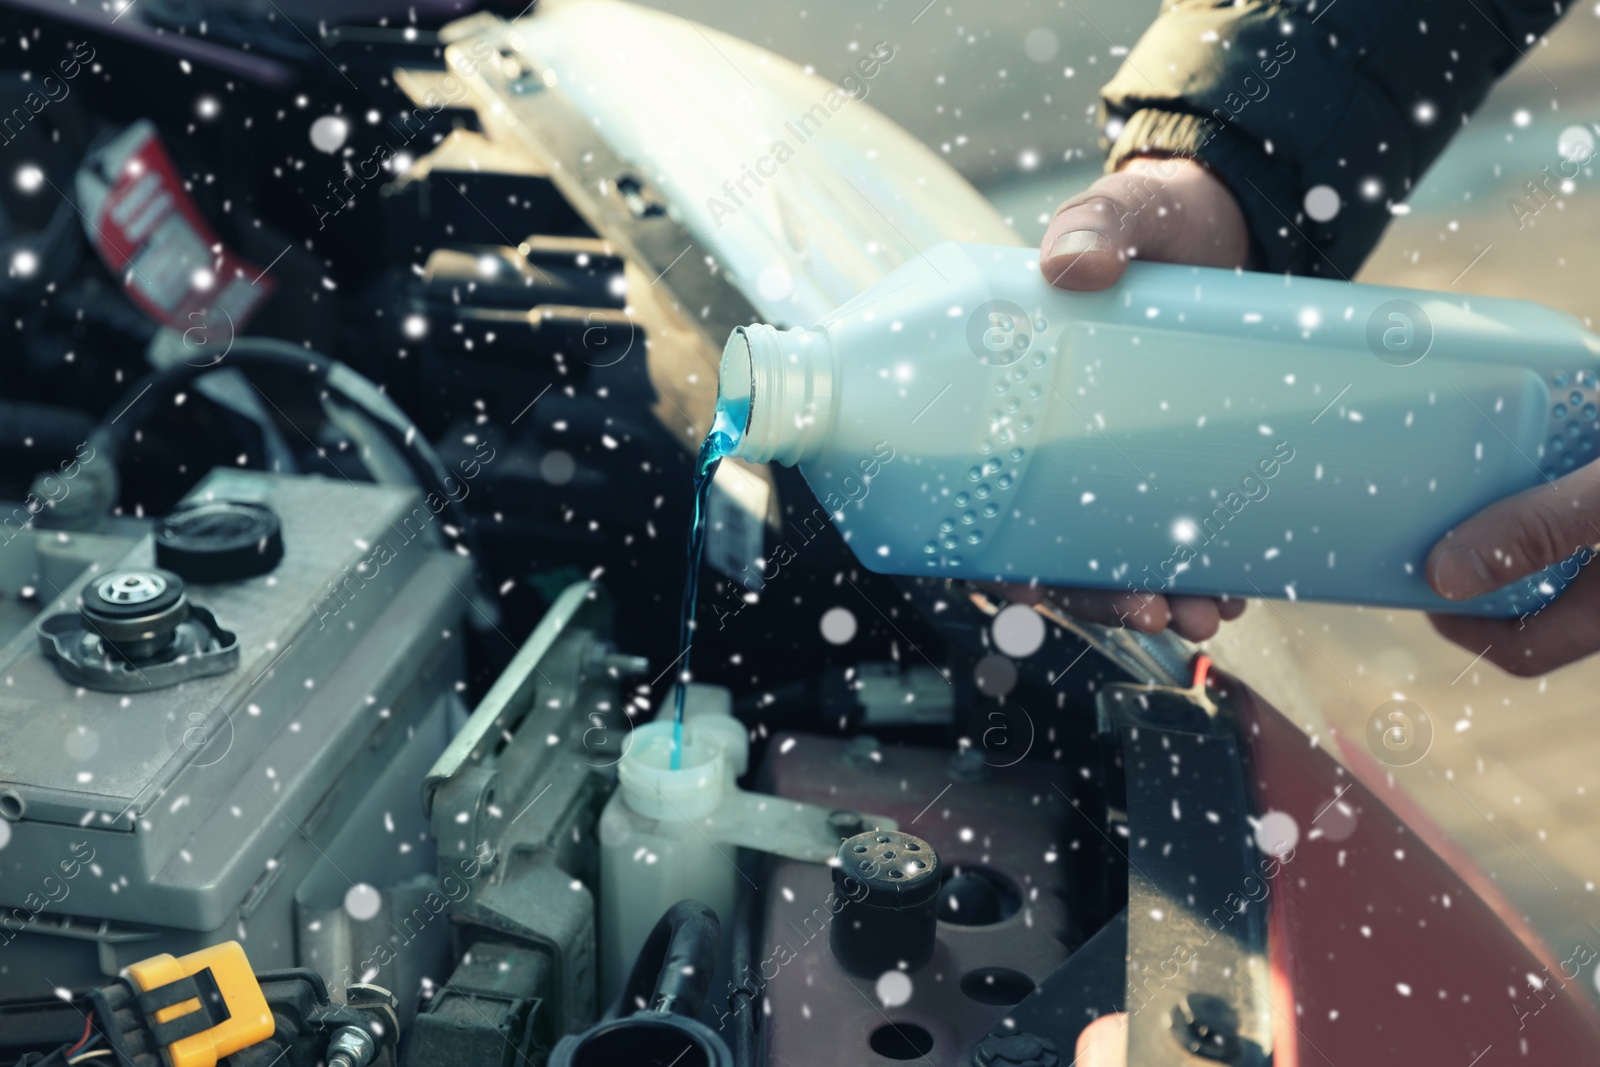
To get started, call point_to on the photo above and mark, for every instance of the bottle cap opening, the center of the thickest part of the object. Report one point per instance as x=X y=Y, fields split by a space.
x=775 y=394
x=653 y=789
x=735 y=385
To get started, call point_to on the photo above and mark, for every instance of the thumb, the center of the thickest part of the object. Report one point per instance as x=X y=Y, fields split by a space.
x=1104 y=1042
x=1087 y=244
x=1518 y=536
x=1170 y=209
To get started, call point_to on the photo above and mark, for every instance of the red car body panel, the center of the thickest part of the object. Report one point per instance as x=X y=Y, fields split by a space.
x=1384 y=951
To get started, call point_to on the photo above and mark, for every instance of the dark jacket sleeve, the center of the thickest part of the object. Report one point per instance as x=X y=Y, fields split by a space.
x=1351 y=99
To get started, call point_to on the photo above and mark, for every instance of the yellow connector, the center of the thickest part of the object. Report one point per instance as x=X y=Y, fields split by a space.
x=223 y=992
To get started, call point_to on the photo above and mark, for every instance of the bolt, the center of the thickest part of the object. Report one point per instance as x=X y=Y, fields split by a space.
x=845 y=823
x=351 y=1047
x=1205 y=1027
x=864 y=753
x=968 y=765
x=624 y=665
x=1020 y=1049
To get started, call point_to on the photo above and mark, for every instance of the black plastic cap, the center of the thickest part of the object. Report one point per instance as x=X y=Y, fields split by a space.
x=889 y=882
x=898 y=870
x=219 y=541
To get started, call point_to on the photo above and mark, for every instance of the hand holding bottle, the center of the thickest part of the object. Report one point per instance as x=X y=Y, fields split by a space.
x=1554 y=523
x=1019 y=409
x=1175 y=211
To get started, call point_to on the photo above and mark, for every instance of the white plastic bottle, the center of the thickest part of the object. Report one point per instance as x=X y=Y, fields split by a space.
x=667 y=835
x=1190 y=430
x=653 y=850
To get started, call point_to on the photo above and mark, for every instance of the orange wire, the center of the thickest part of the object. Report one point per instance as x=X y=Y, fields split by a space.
x=1202 y=667
x=88 y=1024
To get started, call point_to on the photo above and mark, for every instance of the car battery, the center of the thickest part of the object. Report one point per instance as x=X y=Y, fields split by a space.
x=201 y=741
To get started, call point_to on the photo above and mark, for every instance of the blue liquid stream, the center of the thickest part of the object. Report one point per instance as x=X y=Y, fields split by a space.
x=720 y=442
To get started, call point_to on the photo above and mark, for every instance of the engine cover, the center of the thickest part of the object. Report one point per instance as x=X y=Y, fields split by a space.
x=166 y=818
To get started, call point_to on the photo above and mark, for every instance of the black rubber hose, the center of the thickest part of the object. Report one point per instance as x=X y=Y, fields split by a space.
x=250 y=353
x=56 y=248
x=742 y=1004
x=674 y=969
x=51 y=433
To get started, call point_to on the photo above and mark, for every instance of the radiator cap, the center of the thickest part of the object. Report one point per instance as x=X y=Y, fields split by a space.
x=219 y=541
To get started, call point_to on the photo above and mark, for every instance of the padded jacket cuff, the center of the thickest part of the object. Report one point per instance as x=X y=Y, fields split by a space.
x=1267 y=194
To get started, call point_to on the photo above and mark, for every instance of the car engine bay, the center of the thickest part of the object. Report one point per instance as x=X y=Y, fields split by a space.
x=337 y=651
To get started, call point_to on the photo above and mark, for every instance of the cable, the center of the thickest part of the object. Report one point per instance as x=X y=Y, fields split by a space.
x=80 y=1057
x=746 y=1051
x=54 y=252
x=88 y=1025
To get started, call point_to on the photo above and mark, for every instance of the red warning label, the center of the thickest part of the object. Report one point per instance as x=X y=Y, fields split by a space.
x=148 y=231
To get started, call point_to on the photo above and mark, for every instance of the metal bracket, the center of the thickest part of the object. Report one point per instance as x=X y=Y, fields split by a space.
x=1197 y=976
x=518 y=792
x=201 y=648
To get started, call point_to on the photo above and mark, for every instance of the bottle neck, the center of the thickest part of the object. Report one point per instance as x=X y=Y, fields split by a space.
x=775 y=393
x=652 y=788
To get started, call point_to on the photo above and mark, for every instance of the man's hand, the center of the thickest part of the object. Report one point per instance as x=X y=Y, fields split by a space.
x=1508 y=541
x=1194 y=617
x=1104 y=1042
x=1171 y=210
x=1175 y=211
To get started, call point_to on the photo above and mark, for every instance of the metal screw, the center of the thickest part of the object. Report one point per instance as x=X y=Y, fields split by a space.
x=968 y=765
x=1019 y=1049
x=351 y=1047
x=845 y=823
x=132 y=587
x=624 y=665
x=1204 y=1027
x=864 y=753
